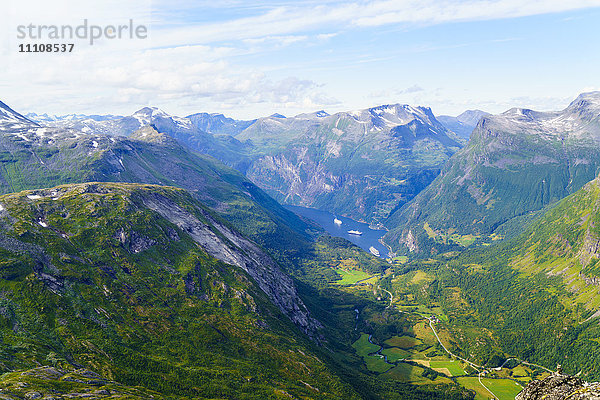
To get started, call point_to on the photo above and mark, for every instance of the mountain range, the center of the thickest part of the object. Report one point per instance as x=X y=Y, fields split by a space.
x=133 y=266
x=363 y=164
x=39 y=157
x=515 y=163
x=149 y=255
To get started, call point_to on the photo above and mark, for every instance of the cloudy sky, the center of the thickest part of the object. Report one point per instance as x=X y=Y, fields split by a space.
x=248 y=58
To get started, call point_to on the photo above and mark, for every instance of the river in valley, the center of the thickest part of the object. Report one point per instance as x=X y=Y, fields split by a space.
x=370 y=237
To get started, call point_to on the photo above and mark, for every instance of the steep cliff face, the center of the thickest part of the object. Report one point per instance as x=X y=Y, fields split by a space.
x=560 y=387
x=363 y=163
x=214 y=236
x=227 y=245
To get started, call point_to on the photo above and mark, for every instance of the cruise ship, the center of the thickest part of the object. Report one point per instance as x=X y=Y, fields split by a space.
x=353 y=232
x=374 y=251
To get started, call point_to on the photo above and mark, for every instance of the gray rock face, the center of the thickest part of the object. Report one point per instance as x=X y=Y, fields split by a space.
x=229 y=246
x=362 y=164
x=559 y=387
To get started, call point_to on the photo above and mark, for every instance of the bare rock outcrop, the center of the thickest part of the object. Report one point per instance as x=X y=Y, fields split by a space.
x=227 y=245
x=560 y=387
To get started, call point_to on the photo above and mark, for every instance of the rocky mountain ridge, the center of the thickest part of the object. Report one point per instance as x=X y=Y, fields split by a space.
x=216 y=238
x=363 y=163
x=145 y=286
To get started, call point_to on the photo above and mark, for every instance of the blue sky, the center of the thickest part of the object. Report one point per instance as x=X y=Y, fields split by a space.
x=248 y=59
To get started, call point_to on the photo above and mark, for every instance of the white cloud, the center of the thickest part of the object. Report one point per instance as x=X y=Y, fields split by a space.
x=412 y=89
x=285 y=20
x=193 y=62
x=440 y=11
x=94 y=77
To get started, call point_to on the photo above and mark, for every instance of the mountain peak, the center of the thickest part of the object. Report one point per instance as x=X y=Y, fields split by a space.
x=590 y=97
x=586 y=105
x=151 y=112
x=403 y=111
x=523 y=114
x=316 y=114
x=9 y=118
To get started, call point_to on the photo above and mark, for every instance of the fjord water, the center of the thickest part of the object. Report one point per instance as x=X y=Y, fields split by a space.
x=370 y=237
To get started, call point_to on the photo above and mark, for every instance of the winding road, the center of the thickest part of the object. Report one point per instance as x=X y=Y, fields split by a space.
x=391 y=296
x=526 y=363
x=479 y=368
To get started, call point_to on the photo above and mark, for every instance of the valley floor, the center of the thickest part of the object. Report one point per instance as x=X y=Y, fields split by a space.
x=425 y=352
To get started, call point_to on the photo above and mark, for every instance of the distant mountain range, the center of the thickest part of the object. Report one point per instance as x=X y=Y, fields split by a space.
x=218 y=124
x=363 y=164
x=46 y=119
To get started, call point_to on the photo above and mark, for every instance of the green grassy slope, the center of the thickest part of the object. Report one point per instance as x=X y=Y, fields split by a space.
x=535 y=297
x=95 y=279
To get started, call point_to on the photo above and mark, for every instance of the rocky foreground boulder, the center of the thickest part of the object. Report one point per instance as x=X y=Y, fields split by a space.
x=558 y=387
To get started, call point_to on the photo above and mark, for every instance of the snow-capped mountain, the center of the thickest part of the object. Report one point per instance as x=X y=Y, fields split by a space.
x=317 y=114
x=50 y=119
x=390 y=116
x=12 y=120
x=15 y=129
x=394 y=124
x=361 y=163
x=114 y=125
x=579 y=121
